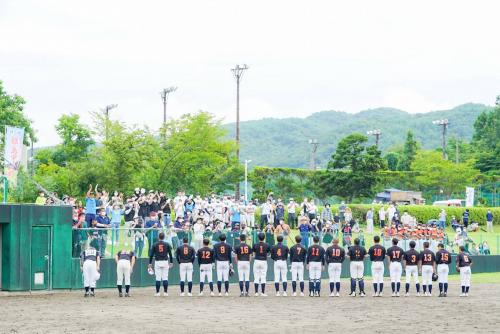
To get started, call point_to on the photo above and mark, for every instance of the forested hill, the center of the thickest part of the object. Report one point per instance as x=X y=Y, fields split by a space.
x=284 y=142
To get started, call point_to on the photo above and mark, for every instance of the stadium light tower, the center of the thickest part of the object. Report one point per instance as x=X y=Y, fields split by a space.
x=238 y=74
x=106 y=111
x=314 y=148
x=444 y=123
x=377 y=133
x=164 y=96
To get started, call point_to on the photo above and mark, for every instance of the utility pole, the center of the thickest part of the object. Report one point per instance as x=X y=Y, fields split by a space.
x=443 y=123
x=238 y=74
x=106 y=115
x=377 y=133
x=164 y=96
x=314 y=148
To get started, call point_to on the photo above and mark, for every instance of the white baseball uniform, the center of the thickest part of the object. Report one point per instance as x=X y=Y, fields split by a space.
x=280 y=271
x=297 y=271
x=186 y=272
x=334 y=271
x=260 y=271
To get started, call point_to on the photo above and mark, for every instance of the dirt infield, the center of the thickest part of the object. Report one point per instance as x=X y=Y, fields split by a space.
x=142 y=313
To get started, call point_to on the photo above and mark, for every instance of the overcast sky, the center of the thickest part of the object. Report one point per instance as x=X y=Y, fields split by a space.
x=304 y=56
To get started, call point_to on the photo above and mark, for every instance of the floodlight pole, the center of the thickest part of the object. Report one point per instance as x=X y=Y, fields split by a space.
x=443 y=123
x=164 y=96
x=106 y=114
x=238 y=74
x=377 y=133
x=314 y=148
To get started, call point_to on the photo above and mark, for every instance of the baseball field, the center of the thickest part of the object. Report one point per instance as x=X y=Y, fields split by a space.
x=69 y=312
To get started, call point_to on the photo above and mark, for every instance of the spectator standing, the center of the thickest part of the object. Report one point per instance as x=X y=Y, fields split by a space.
x=342 y=208
x=326 y=214
x=130 y=213
x=369 y=221
x=139 y=236
x=90 y=208
x=465 y=218
x=390 y=212
x=381 y=216
x=235 y=215
x=250 y=213
x=489 y=221
x=304 y=228
x=265 y=212
x=280 y=212
x=41 y=199
x=442 y=219
x=166 y=208
x=116 y=219
x=103 y=224
x=291 y=208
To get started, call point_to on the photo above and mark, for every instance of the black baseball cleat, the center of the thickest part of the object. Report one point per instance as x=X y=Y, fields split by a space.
x=445 y=294
x=86 y=294
x=120 y=294
x=440 y=294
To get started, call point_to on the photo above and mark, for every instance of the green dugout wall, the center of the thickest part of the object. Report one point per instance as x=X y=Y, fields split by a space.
x=36 y=246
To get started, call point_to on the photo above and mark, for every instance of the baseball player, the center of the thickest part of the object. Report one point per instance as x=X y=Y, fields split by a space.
x=260 y=251
x=377 y=256
x=315 y=261
x=162 y=253
x=297 y=259
x=357 y=254
x=464 y=264
x=90 y=260
x=395 y=255
x=335 y=256
x=243 y=257
x=428 y=260
x=206 y=258
x=279 y=254
x=223 y=257
x=125 y=261
x=412 y=263
x=185 y=258
x=443 y=260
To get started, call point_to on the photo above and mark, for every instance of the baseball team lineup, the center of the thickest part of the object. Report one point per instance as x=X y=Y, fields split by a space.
x=427 y=264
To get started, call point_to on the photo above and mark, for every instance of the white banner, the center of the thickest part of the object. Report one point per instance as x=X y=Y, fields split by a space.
x=13 y=152
x=469 y=196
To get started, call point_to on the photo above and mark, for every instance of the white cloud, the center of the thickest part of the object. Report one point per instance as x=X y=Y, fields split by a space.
x=68 y=56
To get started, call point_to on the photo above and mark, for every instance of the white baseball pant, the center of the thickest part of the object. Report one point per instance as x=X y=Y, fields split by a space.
x=186 y=272
x=334 y=271
x=465 y=274
x=395 y=270
x=357 y=269
x=427 y=271
x=259 y=271
x=314 y=271
x=222 y=271
x=442 y=271
x=244 y=271
x=378 y=272
x=298 y=271
x=123 y=270
x=161 y=270
x=206 y=272
x=90 y=273
x=412 y=271
x=280 y=271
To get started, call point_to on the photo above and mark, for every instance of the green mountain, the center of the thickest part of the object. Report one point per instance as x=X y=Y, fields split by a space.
x=284 y=142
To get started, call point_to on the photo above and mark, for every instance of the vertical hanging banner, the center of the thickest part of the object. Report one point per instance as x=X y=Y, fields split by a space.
x=13 y=152
x=469 y=196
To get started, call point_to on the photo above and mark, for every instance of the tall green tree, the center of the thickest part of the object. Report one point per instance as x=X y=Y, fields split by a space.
x=409 y=151
x=486 y=141
x=12 y=113
x=392 y=159
x=76 y=139
x=352 y=170
x=439 y=175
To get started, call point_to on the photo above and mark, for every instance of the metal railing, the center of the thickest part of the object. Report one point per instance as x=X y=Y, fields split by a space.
x=109 y=241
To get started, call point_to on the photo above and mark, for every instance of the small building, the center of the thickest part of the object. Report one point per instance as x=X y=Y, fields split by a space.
x=400 y=196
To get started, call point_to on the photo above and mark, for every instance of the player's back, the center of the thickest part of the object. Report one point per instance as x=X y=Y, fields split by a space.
x=161 y=249
x=222 y=251
x=315 y=253
x=243 y=252
x=261 y=249
x=335 y=254
x=356 y=253
x=395 y=253
x=412 y=257
x=443 y=257
x=463 y=260
x=185 y=254
x=297 y=253
x=279 y=252
x=427 y=257
x=377 y=253
x=205 y=255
